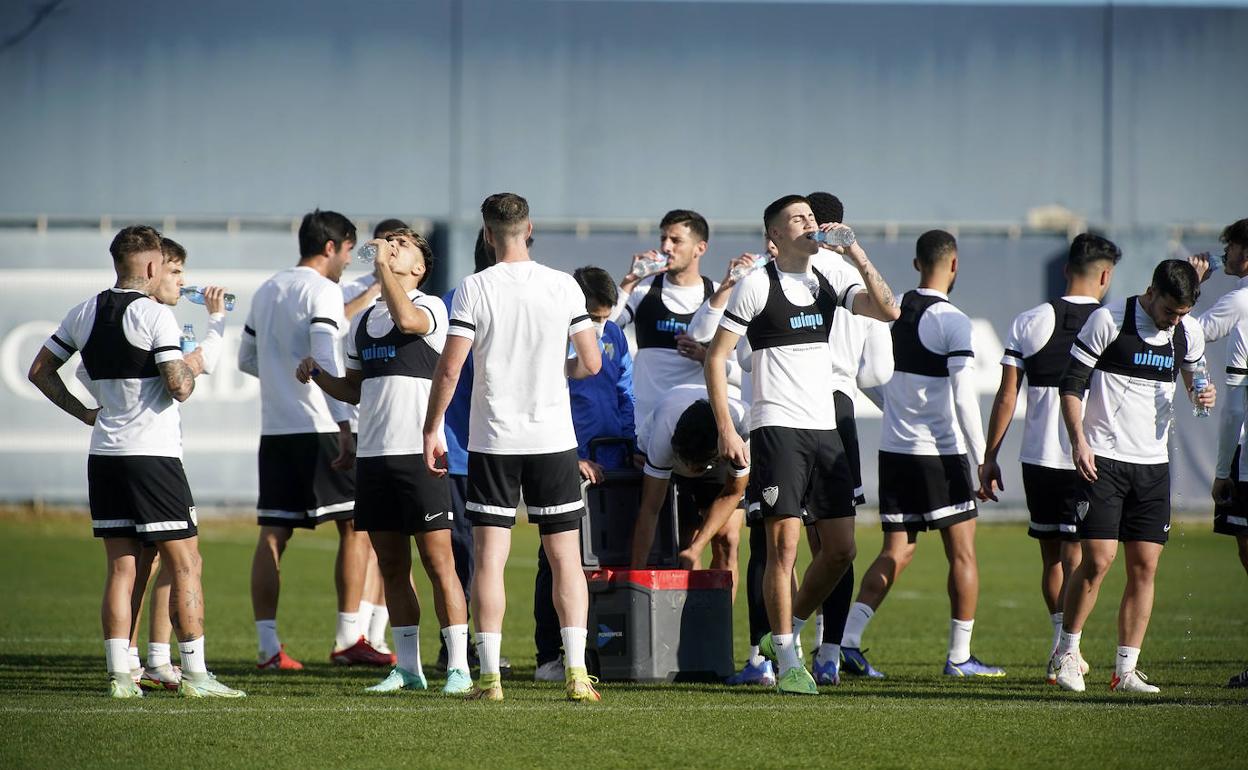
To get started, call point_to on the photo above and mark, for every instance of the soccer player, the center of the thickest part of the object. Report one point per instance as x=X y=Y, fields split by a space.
x=516 y=318
x=1038 y=347
x=930 y=438
x=786 y=312
x=131 y=350
x=1229 y=316
x=392 y=349
x=1127 y=357
x=306 y=444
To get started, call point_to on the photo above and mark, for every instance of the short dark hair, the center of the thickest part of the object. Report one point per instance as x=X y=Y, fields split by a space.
x=1177 y=279
x=387 y=226
x=1087 y=249
x=695 y=440
x=1236 y=232
x=597 y=285
x=695 y=221
x=933 y=246
x=134 y=240
x=172 y=251
x=778 y=205
x=418 y=240
x=827 y=207
x=504 y=213
x=321 y=226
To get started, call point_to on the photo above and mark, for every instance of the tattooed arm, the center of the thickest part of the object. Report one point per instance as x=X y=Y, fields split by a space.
x=179 y=378
x=43 y=375
x=878 y=300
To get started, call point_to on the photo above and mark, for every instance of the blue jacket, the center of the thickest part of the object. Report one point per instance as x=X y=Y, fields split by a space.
x=602 y=405
x=456 y=420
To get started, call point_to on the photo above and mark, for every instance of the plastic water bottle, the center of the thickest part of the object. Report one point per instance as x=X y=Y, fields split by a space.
x=1200 y=381
x=196 y=295
x=1216 y=261
x=188 y=339
x=839 y=237
x=647 y=266
x=741 y=271
x=367 y=252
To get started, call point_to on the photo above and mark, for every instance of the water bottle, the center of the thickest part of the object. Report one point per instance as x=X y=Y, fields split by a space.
x=1216 y=261
x=1200 y=381
x=196 y=295
x=839 y=237
x=741 y=271
x=647 y=266
x=367 y=252
x=188 y=339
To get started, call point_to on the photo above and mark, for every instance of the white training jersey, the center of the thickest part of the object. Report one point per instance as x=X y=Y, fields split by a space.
x=790 y=376
x=1229 y=317
x=920 y=417
x=519 y=316
x=123 y=334
x=1045 y=440
x=658 y=445
x=286 y=312
x=350 y=290
x=1130 y=401
x=398 y=375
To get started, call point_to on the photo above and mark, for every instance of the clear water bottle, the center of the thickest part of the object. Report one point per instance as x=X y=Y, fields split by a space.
x=367 y=252
x=188 y=339
x=196 y=295
x=1200 y=381
x=647 y=266
x=841 y=236
x=741 y=271
x=1216 y=261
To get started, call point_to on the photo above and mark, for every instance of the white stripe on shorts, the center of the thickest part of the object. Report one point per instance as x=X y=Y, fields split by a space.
x=325 y=510
x=949 y=510
x=497 y=510
x=1045 y=527
x=551 y=510
x=112 y=523
x=1237 y=521
x=161 y=526
x=316 y=513
x=900 y=518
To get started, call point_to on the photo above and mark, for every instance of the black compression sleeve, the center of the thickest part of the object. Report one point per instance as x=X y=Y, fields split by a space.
x=1075 y=379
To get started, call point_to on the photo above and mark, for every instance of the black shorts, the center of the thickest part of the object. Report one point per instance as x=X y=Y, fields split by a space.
x=140 y=497
x=922 y=492
x=795 y=468
x=848 y=428
x=551 y=484
x=695 y=495
x=1127 y=502
x=1232 y=518
x=1052 y=496
x=298 y=488
x=395 y=493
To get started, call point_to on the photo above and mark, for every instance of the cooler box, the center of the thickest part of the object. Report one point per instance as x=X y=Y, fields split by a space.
x=611 y=511
x=661 y=625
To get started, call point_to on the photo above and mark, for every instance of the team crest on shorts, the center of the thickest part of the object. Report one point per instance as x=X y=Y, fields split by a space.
x=770 y=495
x=194 y=516
x=1081 y=509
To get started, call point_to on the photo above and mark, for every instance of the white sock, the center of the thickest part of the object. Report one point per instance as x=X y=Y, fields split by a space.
x=960 y=640
x=1056 y=619
x=1068 y=642
x=798 y=625
x=348 y=630
x=828 y=652
x=756 y=658
x=377 y=624
x=363 y=615
x=819 y=629
x=786 y=652
x=266 y=632
x=1126 y=659
x=856 y=624
x=407 y=648
x=192 y=655
x=117 y=656
x=489 y=648
x=157 y=655
x=456 y=638
x=574 y=646
x=133 y=654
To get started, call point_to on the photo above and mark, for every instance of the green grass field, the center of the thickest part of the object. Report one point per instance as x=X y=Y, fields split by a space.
x=54 y=713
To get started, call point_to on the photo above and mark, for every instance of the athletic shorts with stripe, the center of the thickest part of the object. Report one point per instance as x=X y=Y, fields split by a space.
x=922 y=492
x=1052 y=499
x=395 y=493
x=796 y=468
x=1127 y=502
x=298 y=487
x=1232 y=518
x=140 y=497
x=551 y=484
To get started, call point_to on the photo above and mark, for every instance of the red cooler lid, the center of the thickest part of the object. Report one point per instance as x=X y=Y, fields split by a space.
x=665 y=579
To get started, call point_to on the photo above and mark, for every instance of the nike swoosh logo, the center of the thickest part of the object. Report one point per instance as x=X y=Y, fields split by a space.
x=408 y=636
x=431 y=516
